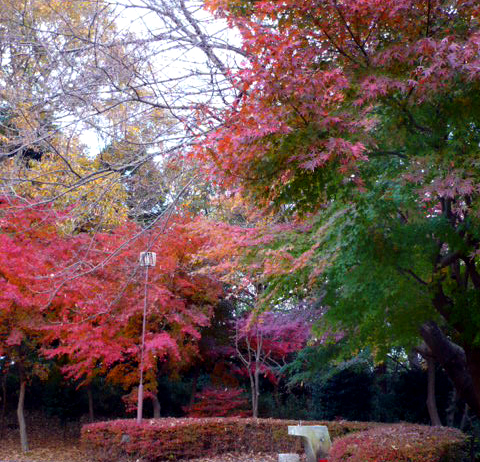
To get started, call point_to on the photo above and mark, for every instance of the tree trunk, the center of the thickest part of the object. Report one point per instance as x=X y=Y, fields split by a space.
x=91 y=415
x=4 y=404
x=196 y=374
x=253 y=394
x=473 y=364
x=256 y=392
x=276 y=394
x=465 y=418
x=20 y=414
x=431 y=398
x=452 y=407
x=156 y=406
x=454 y=361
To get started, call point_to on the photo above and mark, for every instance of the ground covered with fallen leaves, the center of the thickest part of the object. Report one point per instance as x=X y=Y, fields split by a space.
x=52 y=441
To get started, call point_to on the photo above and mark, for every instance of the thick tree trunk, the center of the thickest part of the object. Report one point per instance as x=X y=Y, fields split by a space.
x=454 y=361
x=91 y=415
x=431 y=397
x=473 y=364
x=21 y=415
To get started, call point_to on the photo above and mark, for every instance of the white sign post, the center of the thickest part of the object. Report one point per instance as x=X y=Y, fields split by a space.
x=147 y=260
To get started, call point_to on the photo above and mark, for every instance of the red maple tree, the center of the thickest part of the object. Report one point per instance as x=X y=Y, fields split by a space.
x=81 y=297
x=29 y=260
x=336 y=98
x=265 y=342
x=101 y=331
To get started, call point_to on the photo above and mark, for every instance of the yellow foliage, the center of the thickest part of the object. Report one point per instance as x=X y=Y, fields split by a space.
x=95 y=197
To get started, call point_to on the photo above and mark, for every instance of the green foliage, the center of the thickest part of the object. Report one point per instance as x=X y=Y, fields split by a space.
x=291 y=406
x=345 y=393
x=360 y=389
x=60 y=397
x=173 y=394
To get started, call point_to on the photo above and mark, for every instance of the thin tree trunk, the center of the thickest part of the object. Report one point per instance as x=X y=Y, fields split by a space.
x=431 y=399
x=156 y=407
x=257 y=391
x=465 y=418
x=91 y=414
x=452 y=408
x=21 y=415
x=196 y=373
x=4 y=404
x=253 y=391
x=276 y=394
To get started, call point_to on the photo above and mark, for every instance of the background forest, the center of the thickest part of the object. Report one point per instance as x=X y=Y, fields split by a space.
x=307 y=176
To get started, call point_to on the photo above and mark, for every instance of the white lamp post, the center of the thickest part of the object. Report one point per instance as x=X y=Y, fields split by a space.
x=147 y=260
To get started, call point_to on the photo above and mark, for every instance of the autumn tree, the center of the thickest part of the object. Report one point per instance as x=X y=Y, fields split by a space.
x=264 y=344
x=360 y=121
x=218 y=402
x=28 y=260
x=107 y=76
x=100 y=331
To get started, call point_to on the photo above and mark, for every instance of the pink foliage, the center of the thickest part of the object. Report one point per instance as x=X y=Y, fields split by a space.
x=329 y=65
x=219 y=402
x=102 y=332
x=82 y=296
x=400 y=443
x=280 y=333
x=178 y=439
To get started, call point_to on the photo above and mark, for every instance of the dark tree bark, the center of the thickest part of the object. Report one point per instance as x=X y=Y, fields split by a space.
x=91 y=414
x=459 y=365
x=472 y=354
x=4 y=404
x=20 y=412
x=156 y=407
x=196 y=374
x=431 y=397
x=465 y=418
x=426 y=353
x=452 y=407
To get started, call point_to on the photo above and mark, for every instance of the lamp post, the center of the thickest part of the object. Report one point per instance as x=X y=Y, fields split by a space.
x=147 y=260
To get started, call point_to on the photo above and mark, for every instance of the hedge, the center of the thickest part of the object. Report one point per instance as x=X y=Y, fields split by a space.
x=173 y=439
x=402 y=443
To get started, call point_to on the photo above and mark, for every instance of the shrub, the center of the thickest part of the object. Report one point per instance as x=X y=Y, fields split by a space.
x=401 y=443
x=173 y=439
x=219 y=402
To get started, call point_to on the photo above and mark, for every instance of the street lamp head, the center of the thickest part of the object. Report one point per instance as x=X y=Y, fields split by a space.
x=148 y=258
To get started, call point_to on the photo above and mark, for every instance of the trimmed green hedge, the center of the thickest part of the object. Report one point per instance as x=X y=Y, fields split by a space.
x=402 y=443
x=172 y=439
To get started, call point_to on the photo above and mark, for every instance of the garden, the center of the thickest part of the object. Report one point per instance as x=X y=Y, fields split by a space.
x=221 y=219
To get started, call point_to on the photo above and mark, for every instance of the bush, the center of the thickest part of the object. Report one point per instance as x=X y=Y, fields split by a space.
x=219 y=402
x=173 y=439
x=401 y=443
